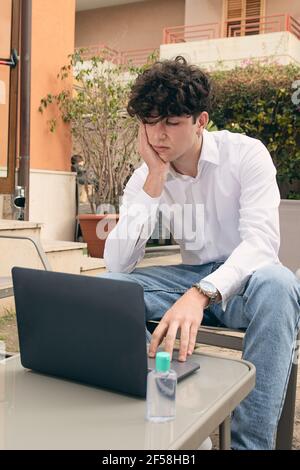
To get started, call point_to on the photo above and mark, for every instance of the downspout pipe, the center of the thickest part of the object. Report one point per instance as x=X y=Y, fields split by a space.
x=25 y=87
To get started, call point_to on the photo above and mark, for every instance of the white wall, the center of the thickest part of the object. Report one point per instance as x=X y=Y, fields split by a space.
x=283 y=47
x=52 y=202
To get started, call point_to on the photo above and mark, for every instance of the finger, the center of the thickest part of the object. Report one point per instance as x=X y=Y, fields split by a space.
x=193 y=337
x=171 y=337
x=140 y=138
x=145 y=134
x=144 y=143
x=184 y=341
x=157 y=337
x=146 y=140
x=144 y=146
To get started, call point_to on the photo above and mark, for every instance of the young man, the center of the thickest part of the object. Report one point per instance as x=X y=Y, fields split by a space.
x=218 y=193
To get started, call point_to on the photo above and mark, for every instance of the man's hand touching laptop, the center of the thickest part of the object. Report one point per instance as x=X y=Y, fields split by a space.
x=187 y=313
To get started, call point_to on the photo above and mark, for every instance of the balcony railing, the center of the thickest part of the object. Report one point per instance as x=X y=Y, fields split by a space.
x=191 y=33
x=138 y=56
x=135 y=57
x=232 y=28
x=293 y=26
x=105 y=51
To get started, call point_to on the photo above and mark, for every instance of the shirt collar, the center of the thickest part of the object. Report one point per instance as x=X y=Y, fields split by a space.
x=209 y=153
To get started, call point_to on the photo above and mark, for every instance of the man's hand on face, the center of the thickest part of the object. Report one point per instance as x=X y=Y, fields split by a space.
x=155 y=164
x=186 y=314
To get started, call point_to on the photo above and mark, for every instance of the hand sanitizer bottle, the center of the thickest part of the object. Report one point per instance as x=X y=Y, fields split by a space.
x=161 y=390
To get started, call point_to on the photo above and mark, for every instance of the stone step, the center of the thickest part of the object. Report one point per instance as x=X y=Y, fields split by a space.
x=68 y=257
x=51 y=246
x=7 y=305
x=18 y=227
x=5 y=287
x=92 y=266
x=6 y=296
x=64 y=256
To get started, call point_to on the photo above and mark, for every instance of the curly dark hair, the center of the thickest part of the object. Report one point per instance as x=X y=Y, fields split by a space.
x=170 y=88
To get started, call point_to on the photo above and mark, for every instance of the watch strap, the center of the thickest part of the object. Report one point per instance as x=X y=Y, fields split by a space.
x=211 y=298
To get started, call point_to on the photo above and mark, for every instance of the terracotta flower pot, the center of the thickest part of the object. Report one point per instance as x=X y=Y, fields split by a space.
x=95 y=229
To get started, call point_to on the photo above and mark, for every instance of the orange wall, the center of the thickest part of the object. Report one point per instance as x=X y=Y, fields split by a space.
x=53 y=29
x=131 y=26
x=204 y=11
x=5 y=31
x=5 y=27
x=4 y=112
x=275 y=7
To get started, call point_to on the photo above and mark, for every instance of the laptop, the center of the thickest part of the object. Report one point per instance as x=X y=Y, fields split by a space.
x=83 y=328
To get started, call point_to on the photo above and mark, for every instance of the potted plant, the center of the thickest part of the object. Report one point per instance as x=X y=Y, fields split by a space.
x=104 y=136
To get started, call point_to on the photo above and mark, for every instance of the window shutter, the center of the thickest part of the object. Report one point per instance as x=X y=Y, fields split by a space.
x=234 y=9
x=238 y=11
x=253 y=8
x=234 y=12
x=253 y=11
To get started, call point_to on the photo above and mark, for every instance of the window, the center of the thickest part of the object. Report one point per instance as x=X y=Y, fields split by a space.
x=243 y=17
x=9 y=40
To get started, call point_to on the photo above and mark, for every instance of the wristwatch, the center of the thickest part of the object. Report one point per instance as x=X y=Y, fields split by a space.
x=208 y=289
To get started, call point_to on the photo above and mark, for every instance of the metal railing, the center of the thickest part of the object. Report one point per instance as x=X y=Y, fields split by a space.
x=234 y=27
x=138 y=56
x=135 y=57
x=6 y=289
x=109 y=54
x=293 y=26
x=191 y=32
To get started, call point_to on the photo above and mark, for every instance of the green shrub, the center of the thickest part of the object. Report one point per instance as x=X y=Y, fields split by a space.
x=257 y=100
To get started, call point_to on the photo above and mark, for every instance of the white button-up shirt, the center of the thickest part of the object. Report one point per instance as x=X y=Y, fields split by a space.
x=227 y=213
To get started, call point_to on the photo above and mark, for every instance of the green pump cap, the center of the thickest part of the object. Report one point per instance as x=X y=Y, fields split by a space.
x=162 y=361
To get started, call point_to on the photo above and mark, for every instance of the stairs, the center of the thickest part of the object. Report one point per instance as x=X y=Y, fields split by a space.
x=92 y=266
x=63 y=256
x=16 y=227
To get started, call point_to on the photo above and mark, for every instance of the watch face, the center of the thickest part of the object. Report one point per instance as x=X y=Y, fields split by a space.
x=208 y=287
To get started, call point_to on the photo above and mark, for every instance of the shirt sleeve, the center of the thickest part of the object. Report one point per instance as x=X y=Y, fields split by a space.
x=258 y=225
x=125 y=245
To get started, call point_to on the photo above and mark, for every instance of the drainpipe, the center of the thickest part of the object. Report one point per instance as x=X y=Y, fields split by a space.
x=25 y=78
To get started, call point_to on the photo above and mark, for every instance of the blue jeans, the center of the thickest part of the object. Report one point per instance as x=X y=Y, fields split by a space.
x=269 y=311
